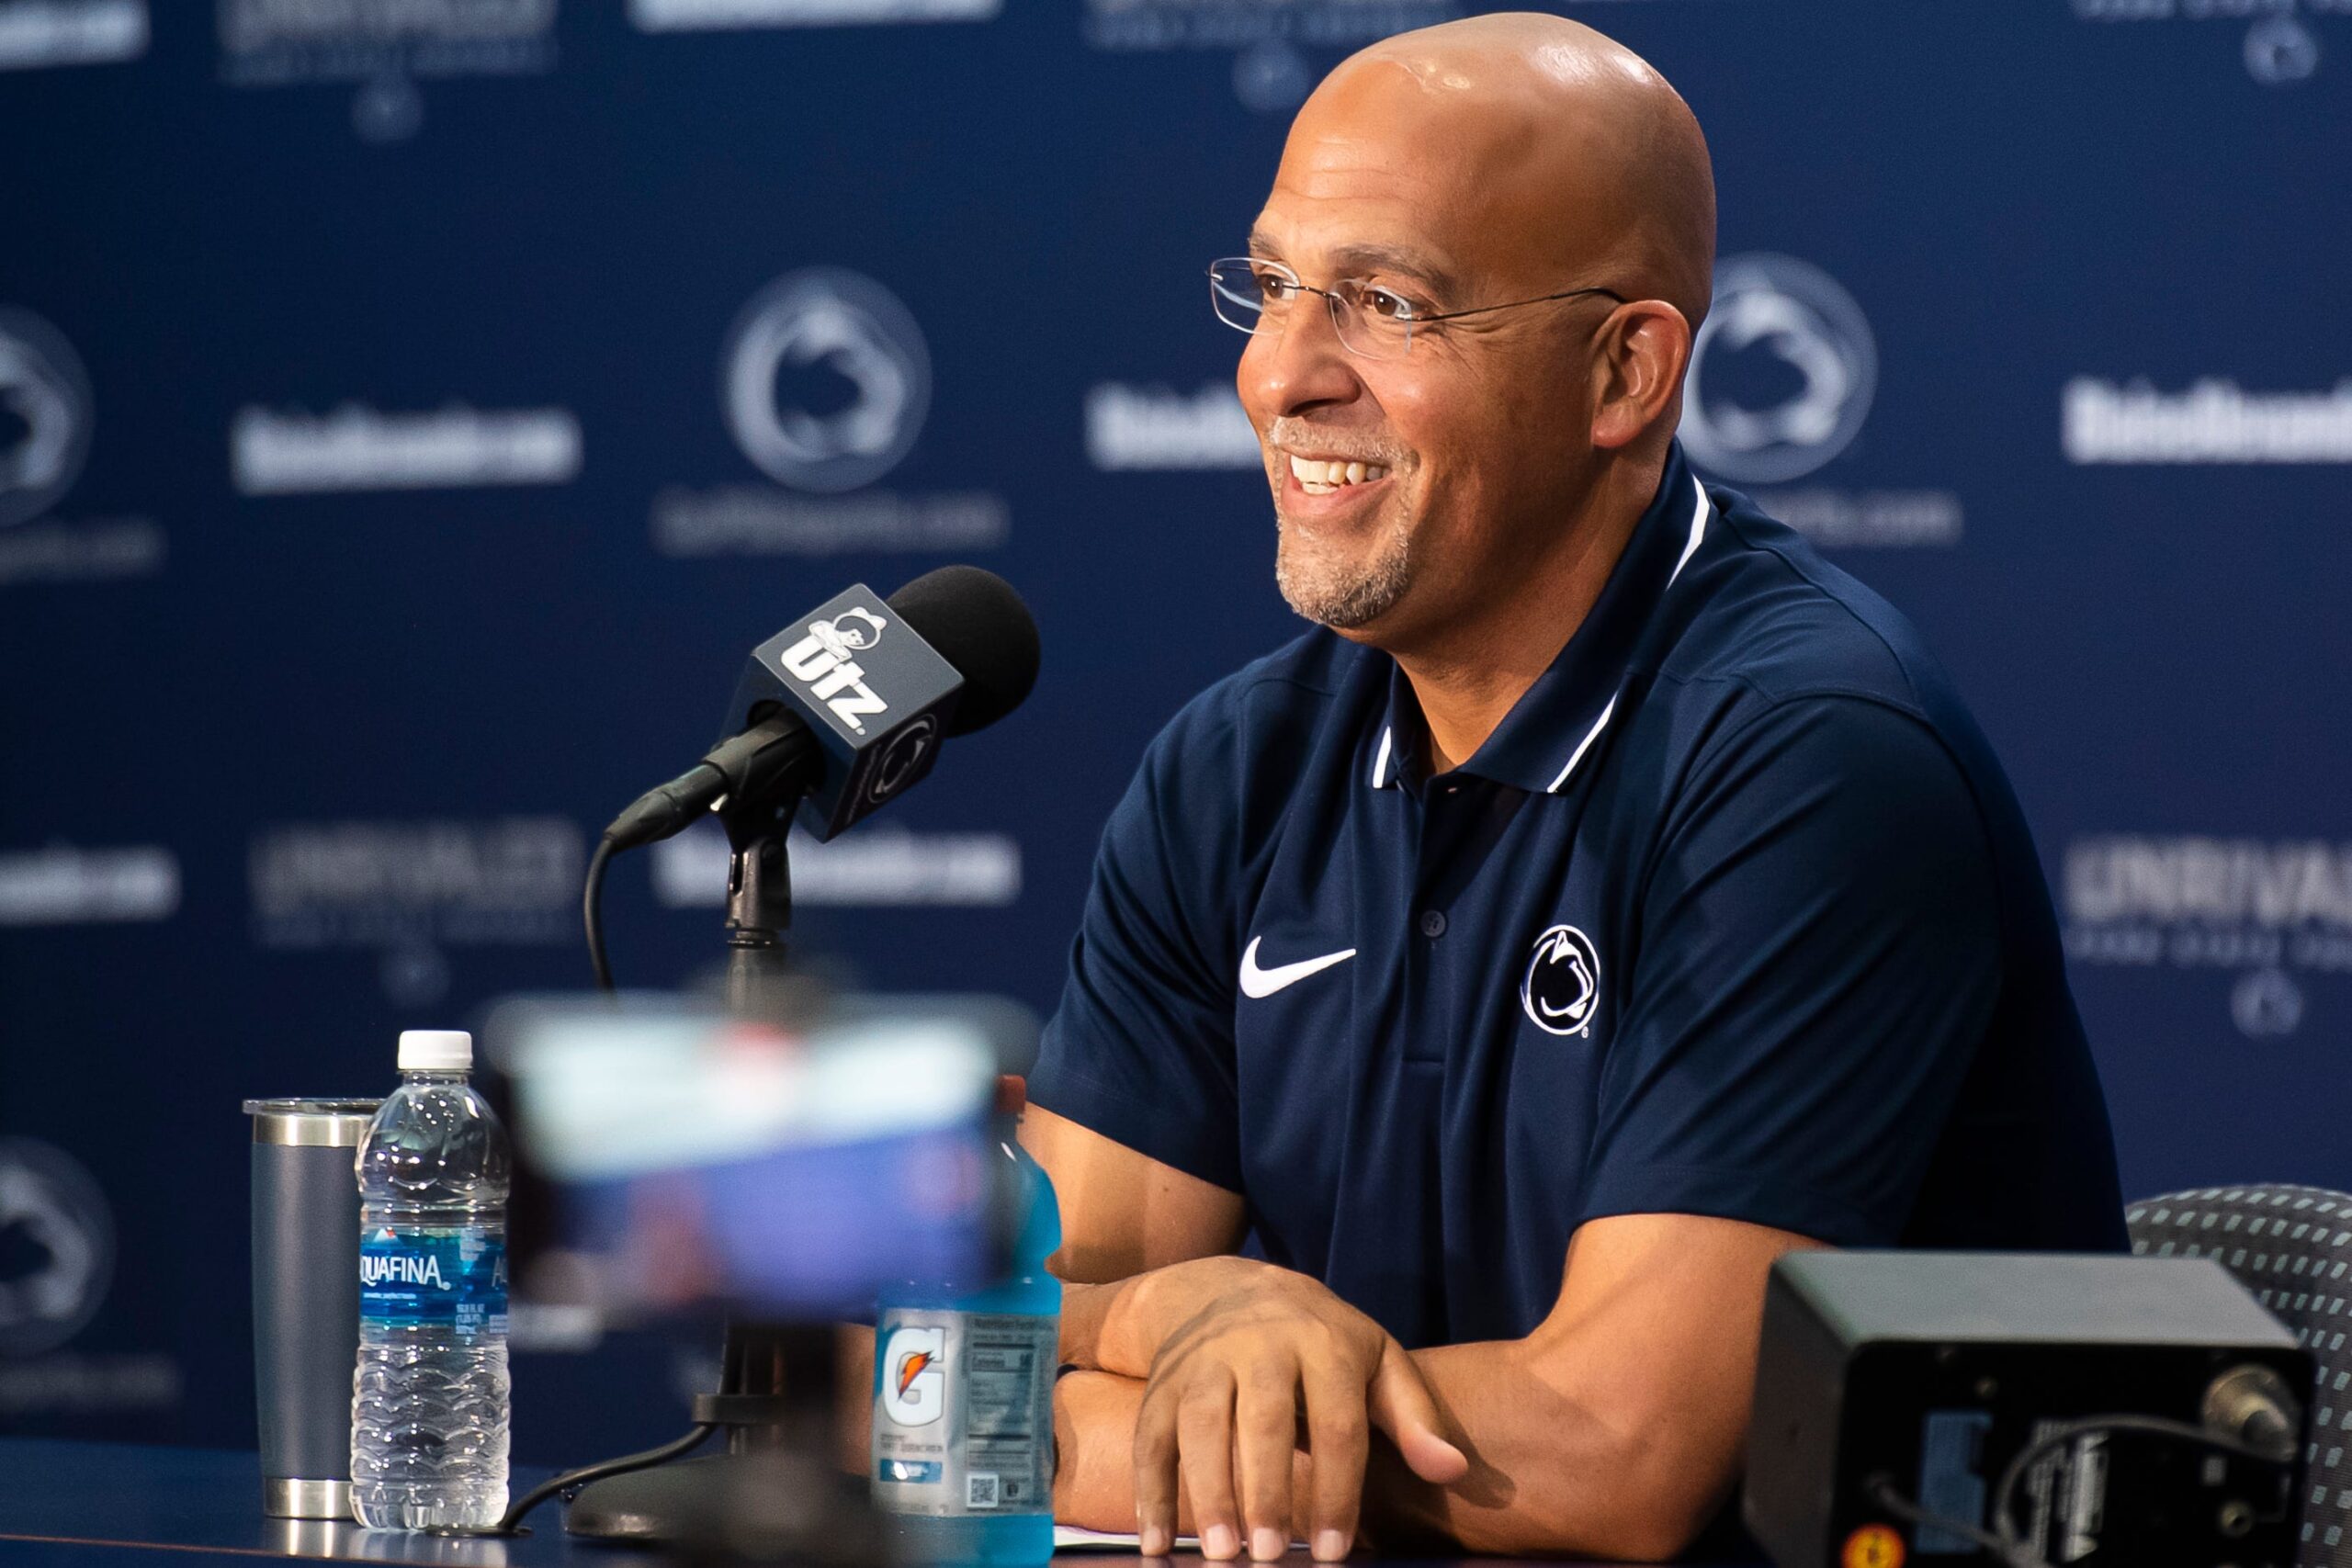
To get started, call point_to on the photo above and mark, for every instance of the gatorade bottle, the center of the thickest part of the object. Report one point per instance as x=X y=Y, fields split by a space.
x=964 y=1395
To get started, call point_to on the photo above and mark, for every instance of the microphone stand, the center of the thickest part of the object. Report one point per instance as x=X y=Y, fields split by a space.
x=759 y=908
x=775 y=1491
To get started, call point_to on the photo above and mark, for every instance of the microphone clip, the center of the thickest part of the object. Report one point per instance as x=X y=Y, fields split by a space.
x=747 y=779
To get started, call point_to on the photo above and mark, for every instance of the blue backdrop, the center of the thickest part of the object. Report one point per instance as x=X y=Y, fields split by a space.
x=409 y=415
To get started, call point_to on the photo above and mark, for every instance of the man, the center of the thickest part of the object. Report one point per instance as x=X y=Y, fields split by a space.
x=1609 y=896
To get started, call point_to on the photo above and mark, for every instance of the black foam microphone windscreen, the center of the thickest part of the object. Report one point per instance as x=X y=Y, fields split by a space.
x=976 y=621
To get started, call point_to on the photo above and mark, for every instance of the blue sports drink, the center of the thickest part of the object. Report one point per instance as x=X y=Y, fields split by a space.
x=964 y=1399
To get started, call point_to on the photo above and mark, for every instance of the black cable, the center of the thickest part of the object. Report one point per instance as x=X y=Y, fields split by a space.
x=2015 y=1549
x=571 y=1478
x=1881 y=1492
x=591 y=910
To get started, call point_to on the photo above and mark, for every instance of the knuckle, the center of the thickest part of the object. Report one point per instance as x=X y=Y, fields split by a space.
x=1269 y=1422
x=1346 y=1428
x=1199 y=1414
x=1269 y=1379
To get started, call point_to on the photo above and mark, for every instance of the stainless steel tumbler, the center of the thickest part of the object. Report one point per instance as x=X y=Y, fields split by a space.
x=306 y=1298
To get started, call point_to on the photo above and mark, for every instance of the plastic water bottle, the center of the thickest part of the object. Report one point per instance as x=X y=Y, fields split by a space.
x=429 y=1400
x=964 y=1398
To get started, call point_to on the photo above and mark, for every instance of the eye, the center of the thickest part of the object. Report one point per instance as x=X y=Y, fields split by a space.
x=1388 y=305
x=1275 y=287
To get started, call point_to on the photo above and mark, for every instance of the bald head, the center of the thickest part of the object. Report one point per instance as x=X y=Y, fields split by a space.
x=1560 y=149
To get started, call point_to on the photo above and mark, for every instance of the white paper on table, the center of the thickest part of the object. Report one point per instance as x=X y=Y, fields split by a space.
x=1070 y=1538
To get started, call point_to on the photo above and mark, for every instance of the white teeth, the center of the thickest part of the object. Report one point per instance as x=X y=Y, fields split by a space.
x=1317 y=477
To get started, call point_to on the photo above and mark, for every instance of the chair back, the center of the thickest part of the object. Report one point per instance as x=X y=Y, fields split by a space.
x=2291 y=1247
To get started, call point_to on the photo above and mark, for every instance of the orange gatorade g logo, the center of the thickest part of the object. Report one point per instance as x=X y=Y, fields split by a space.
x=915 y=1375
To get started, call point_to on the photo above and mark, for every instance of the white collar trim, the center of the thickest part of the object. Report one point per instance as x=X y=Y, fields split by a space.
x=1382 y=775
x=1690 y=548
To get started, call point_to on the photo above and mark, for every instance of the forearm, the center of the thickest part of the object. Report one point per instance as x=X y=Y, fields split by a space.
x=1548 y=1472
x=1094 y=1436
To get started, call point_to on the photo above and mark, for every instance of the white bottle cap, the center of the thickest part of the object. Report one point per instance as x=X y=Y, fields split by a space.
x=437 y=1050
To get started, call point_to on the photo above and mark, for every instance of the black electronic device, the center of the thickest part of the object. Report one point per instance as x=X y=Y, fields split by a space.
x=2141 y=1410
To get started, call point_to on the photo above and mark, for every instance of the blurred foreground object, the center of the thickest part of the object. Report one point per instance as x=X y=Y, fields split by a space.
x=778 y=1173
x=785 y=1172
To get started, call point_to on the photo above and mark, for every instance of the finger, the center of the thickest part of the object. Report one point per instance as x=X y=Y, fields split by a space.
x=1155 y=1460
x=1339 y=1440
x=1265 y=1412
x=1204 y=1455
x=1401 y=1406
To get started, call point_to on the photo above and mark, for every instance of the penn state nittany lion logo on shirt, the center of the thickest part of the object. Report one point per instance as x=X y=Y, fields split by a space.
x=1562 y=990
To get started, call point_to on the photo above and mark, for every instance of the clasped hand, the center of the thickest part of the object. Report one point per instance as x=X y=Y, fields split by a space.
x=1245 y=1363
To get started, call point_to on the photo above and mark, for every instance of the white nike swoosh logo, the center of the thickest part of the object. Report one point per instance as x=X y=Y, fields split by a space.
x=1257 y=982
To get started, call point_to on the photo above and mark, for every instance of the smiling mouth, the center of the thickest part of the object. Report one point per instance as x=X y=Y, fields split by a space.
x=1319 y=476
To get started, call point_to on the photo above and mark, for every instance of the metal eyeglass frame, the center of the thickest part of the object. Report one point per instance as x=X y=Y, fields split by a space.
x=1338 y=306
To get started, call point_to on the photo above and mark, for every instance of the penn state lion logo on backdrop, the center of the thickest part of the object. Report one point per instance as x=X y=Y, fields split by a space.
x=1781 y=372
x=57 y=1247
x=1562 y=990
x=842 y=322
x=44 y=416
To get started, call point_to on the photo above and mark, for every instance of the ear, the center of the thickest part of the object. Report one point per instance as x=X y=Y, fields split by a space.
x=1639 y=355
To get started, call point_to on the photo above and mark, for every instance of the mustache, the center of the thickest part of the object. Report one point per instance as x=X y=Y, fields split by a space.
x=1332 y=443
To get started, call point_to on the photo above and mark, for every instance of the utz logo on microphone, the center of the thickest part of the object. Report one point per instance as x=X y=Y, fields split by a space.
x=1562 y=992
x=853 y=631
x=822 y=660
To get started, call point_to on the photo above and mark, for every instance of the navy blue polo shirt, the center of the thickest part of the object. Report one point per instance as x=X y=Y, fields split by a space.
x=1732 y=915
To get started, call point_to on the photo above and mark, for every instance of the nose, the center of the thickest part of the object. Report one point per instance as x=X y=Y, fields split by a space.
x=1295 y=364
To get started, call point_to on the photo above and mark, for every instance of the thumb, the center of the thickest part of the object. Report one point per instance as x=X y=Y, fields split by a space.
x=1401 y=1405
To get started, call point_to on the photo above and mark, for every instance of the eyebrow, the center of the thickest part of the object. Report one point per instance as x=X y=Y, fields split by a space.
x=1352 y=259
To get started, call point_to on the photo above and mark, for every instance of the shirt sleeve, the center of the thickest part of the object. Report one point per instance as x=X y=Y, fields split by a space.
x=1141 y=1048
x=1819 y=957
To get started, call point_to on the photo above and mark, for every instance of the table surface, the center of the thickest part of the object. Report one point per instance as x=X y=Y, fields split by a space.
x=89 y=1505
x=101 y=1502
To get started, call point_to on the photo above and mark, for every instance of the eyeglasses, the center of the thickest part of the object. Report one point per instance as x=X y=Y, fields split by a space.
x=1375 y=322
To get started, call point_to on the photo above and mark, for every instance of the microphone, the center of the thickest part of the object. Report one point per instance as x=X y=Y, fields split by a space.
x=847 y=707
